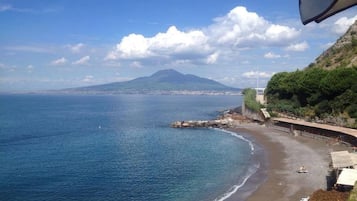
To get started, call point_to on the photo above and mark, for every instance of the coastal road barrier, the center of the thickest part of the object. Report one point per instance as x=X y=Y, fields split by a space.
x=345 y=136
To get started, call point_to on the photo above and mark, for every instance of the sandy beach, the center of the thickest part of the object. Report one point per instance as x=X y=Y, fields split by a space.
x=278 y=179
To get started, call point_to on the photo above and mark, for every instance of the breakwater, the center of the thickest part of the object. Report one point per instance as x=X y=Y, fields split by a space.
x=228 y=119
x=222 y=123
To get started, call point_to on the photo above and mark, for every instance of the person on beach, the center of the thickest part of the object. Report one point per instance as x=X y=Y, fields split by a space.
x=302 y=169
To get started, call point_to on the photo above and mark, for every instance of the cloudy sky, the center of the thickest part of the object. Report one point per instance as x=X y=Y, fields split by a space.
x=61 y=44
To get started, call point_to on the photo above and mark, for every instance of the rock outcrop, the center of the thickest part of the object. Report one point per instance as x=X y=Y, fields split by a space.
x=202 y=124
x=342 y=53
x=228 y=119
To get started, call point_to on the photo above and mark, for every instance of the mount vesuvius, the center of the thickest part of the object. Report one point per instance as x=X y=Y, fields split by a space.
x=162 y=82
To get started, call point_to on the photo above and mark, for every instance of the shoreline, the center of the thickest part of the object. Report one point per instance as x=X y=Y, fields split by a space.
x=281 y=156
x=240 y=189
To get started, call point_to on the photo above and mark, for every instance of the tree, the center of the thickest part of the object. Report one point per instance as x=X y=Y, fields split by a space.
x=250 y=101
x=338 y=81
x=314 y=91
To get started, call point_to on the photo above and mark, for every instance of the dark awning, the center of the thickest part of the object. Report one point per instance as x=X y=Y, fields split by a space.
x=318 y=10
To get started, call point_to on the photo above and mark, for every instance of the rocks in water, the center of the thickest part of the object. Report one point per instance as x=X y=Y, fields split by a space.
x=226 y=120
x=221 y=123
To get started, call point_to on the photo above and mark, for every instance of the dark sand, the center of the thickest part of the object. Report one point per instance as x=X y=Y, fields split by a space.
x=277 y=178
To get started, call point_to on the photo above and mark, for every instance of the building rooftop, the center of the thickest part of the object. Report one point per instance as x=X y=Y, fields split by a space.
x=341 y=159
x=347 y=177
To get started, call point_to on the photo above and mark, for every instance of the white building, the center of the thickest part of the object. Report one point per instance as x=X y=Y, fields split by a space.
x=260 y=96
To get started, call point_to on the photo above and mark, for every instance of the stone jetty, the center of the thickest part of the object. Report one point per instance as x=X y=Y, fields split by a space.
x=227 y=119
x=221 y=123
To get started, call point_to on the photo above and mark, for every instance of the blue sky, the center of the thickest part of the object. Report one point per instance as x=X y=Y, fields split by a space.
x=61 y=44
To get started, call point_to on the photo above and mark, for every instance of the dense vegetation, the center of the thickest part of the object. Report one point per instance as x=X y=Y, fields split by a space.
x=315 y=92
x=250 y=101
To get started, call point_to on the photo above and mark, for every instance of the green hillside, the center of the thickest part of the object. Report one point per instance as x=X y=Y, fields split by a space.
x=324 y=92
x=316 y=94
x=342 y=54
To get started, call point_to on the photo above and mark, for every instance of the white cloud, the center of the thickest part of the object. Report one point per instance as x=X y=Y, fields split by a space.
x=88 y=78
x=82 y=61
x=136 y=64
x=342 y=24
x=25 y=48
x=242 y=28
x=30 y=68
x=238 y=29
x=178 y=42
x=76 y=48
x=59 y=61
x=211 y=59
x=298 y=47
x=256 y=74
x=132 y=46
x=173 y=44
x=112 y=63
x=236 y=26
x=5 y=8
x=8 y=68
x=228 y=80
x=278 y=33
x=271 y=55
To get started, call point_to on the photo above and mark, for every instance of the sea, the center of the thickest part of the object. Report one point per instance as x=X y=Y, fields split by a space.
x=119 y=148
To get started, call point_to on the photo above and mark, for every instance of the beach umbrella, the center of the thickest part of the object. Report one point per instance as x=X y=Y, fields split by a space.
x=318 y=10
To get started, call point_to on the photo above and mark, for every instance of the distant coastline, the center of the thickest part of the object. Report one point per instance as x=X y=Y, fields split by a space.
x=167 y=82
x=154 y=92
x=163 y=82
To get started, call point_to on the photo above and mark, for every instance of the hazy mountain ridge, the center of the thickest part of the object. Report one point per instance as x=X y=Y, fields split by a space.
x=163 y=81
x=342 y=54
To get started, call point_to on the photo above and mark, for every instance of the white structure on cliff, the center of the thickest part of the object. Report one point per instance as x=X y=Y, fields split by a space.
x=260 y=98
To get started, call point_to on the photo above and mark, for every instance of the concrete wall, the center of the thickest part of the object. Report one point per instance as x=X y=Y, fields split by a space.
x=261 y=99
x=319 y=133
x=257 y=116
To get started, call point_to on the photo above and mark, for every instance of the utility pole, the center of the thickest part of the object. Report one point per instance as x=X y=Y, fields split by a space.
x=257 y=78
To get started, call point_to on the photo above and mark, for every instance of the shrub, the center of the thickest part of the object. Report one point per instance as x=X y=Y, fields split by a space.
x=353 y=194
x=250 y=101
x=314 y=92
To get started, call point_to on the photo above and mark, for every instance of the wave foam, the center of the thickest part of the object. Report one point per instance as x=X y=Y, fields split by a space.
x=251 y=145
x=251 y=170
x=235 y=188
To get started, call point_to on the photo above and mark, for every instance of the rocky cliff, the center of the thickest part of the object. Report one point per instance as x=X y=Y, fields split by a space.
x=342 y=54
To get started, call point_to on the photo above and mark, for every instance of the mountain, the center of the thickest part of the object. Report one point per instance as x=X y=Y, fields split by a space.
x=163 y=81
x=342 y=54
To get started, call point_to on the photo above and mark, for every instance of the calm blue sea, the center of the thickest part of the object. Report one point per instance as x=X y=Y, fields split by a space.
x=94 y=148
